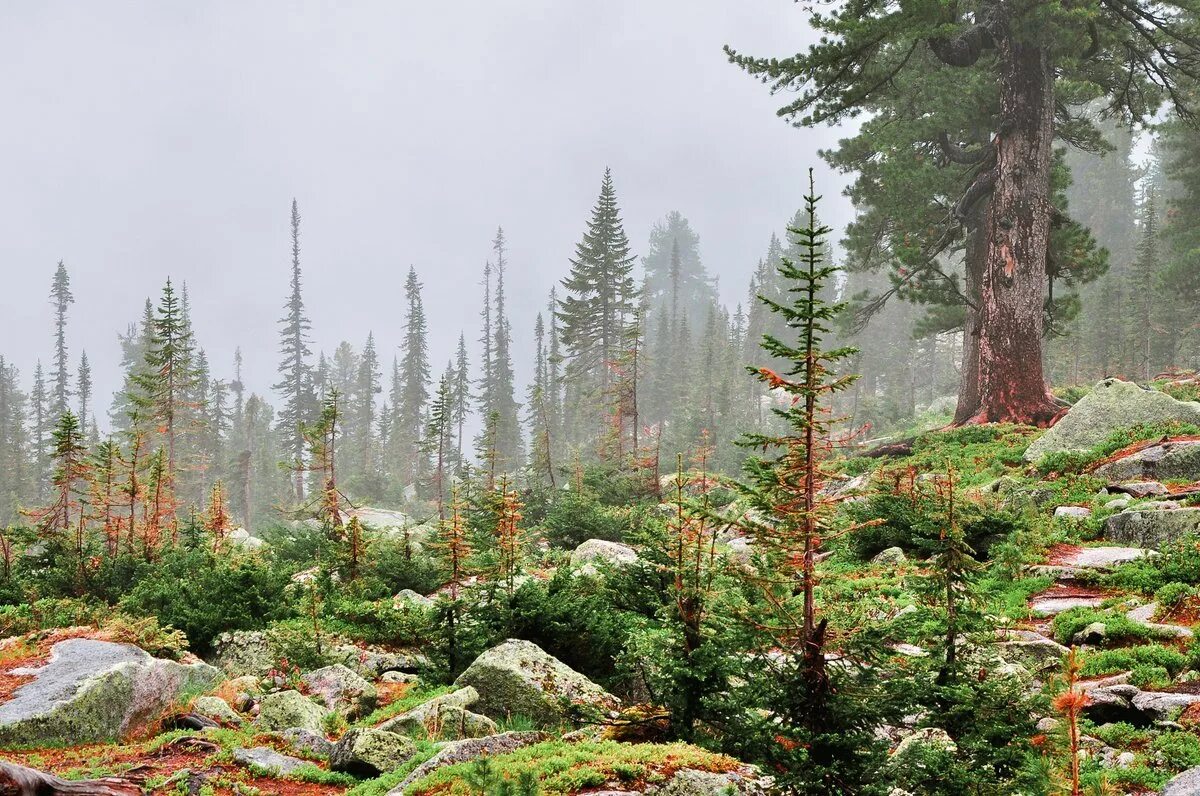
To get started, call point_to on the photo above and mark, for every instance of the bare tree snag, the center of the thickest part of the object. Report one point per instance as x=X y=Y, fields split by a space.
x=18 y=780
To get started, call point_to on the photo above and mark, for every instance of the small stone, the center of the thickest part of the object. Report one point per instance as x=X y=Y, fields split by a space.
x=399 y=677
x=1093 y=634
x=1073 y=512
x=268 y=760
x=307 y=742
x=217 y=709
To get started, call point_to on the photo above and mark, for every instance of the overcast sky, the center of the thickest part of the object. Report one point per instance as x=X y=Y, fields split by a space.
x=166 y=138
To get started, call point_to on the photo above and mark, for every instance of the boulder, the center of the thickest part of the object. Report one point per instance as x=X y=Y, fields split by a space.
x=267 y=760
x=342 y=690
x=1184 y=784
x=285 y=709
x=242 y=538
x=91 y=690
x=1166 y=461
x=692 y=782
x=1134 y=489
x=399 y=677
x=1093 y=634
x=1151 y=528
x=1073 y=512
x=891 y=557
x=217 y=709
x=468 y=750
x=411 y=599
x=1163 y=706
x=1052 y=606
x=1110 y=406
x=517 y=678
x=595 y=554
x=369 y=753
x=244 y=653
x=1032 y=650
x=307 y=742
x=371 y=663
x=444 y=716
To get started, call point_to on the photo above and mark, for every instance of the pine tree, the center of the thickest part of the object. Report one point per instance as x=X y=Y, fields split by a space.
x=503 y=388
x=438 y=441
x=596 y=310
x=66 y=518
x=414 y=382
x=295 y=384
x=675 y=276
x=364 y=475
x=40 y=418
x=60 y=376
x=460 y=396
x=170 y=375
x=1143 y=287
x=15 y=445
x=83 y=388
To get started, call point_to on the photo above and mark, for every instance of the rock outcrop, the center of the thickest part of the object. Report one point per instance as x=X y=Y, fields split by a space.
x=1151 y=528
x=517 y=678
x=91 y=690
x=1110 y=406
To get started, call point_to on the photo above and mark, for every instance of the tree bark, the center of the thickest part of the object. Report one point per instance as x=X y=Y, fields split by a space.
x=974 y=258
x=1011 y=382
x=18 y=780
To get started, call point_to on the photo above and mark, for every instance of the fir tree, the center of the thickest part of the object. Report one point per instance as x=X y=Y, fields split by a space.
x=438 y=441
x=40 y=419
x=1143 y=287
x=83 y=388
x=599 y=301
x=502 y=391
x=60 y=376
x=460 y=395
x=295 y=384
x=410 y=403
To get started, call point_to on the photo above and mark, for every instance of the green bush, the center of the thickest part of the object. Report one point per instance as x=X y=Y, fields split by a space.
x=1118 y=628
x=574 y=518
x=1172 y=595
x=1101 y=662
x=204 y=594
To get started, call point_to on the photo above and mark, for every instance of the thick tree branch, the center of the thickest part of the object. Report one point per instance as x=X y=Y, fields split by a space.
x=962 y=155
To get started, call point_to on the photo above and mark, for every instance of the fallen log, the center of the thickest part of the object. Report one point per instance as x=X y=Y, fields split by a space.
x=18 y=780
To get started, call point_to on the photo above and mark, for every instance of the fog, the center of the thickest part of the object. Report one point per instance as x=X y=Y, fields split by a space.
x=154 y=139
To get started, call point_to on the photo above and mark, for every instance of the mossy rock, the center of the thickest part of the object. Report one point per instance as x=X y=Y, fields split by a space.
x=92 y=691
x=286 y=709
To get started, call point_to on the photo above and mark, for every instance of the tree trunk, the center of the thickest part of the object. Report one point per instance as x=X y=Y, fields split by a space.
x=18 y=780
x=975 y=258
x=1012 y=384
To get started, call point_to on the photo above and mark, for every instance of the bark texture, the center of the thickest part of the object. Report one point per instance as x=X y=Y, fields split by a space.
x=1012 y=385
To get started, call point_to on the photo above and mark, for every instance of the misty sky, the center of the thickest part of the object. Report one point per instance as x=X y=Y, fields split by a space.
x=161 y=138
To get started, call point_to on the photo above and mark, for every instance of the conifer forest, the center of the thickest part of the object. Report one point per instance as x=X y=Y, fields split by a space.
x=663 y=398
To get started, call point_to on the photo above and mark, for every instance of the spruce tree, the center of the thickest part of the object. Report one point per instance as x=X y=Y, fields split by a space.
x=363 y=475
x=295 y=384
x=60 y=376
x=1143 y=288
x=83 y=388
x=460 y=396
x=595 y=311
x=438 y=442
x=40 y=420
x=414 y=382
x=503 y=389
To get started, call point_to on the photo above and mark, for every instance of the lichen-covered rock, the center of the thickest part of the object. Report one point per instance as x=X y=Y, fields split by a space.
x=1073 y=512
x=268 y=760
x=370 y=752
x=691 y=782
x=91 y=690
x=445 y=716
x=1153 y=528
x=1032 y=650
x=217 y=709
x=307 y=742
x=342 y=690
x=1184 y=784
x=244 y=653
x=467 y=750
x=411 y=599
x=372 y=663
x=517 y=678
x=1171 y=460
x=285 y=709
x=890 y=557
x=595 y=554
x=1111 y=405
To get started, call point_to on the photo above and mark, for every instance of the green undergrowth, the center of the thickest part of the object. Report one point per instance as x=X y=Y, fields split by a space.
x=566 y=768
x=411 y=699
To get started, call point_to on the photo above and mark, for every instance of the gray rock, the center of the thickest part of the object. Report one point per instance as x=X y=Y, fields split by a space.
x=371 y=663
x=596 y=553
x=342 y=690
x=408 y=597
x=892 y=556
x=1151 y=528
x=1171 y=460
x=286 y=709
x=217 y=709
x=1111 y=405
x=1118 y=504
x=1032 y=650
x=690 y=782
x=1136 y=489
x=468 y=750
x=1052 y=606
x=1093 y=634
x=307 y=742
x=267 y=760
x=92 y=691
x=445 y=716
x=1185 y=784
x=244 y=652
x=1162 y=706
x=399 y=677
x=926 y=736
x=1073 y=512
x=370 y=753
x=517 y=678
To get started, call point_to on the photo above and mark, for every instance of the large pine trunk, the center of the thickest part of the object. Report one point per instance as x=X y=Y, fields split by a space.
x=975 y=258
x=1012 y=385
